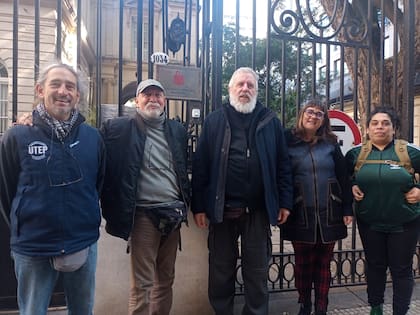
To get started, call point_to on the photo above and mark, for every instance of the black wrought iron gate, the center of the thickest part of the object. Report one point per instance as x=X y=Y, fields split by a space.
x=354 y=54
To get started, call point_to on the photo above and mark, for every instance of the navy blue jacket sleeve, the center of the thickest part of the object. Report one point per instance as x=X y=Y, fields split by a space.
x=343 y=178
x=284 y=171
x=9 y=171
x=101 y=171
x=200 y=174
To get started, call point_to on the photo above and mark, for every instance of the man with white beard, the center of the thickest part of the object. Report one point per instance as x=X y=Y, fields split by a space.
x=146 y=194
x=241 y=184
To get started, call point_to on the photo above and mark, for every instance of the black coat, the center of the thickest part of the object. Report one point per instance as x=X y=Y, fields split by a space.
x=321 y=192
x=211 y=158
x=124 y=139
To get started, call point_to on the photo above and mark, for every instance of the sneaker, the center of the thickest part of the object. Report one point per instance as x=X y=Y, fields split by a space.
x=376 y=310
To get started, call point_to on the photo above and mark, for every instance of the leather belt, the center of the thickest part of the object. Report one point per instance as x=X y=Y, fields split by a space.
x=234 y=212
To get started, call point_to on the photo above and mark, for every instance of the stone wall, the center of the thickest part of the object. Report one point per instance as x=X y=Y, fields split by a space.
x=190 y=287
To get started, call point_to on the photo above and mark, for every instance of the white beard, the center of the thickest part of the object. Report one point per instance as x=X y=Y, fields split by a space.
x=151 y=111
x=244 y=108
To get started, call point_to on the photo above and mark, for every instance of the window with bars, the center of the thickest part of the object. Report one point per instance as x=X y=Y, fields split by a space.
x=145 y=44
x=3 y=98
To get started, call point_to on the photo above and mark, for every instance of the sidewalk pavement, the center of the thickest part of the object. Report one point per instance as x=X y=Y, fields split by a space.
x=342 y=301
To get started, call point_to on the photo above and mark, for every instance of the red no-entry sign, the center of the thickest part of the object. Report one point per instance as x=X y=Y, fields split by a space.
x=345 y=128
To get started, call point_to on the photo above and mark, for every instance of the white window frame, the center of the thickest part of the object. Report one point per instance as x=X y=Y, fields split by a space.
x=4 y=92
x=145 y=44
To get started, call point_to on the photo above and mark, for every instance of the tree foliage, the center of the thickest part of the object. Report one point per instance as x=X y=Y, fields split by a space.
x=377 y=78
x=270 y=77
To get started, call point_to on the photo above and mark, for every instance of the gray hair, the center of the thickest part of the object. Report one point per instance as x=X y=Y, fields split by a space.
x=244 y=70
x=81 y=83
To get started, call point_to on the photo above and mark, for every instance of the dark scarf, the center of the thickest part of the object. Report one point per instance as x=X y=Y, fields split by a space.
x=153 y=122
x=61 y=128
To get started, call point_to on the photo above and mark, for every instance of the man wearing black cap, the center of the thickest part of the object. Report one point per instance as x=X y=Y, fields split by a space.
x=146 y=194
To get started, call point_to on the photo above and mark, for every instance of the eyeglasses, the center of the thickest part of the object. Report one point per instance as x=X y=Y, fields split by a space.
x=312 y=113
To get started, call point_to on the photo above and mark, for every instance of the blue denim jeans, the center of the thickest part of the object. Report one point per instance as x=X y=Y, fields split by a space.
x=36 y=279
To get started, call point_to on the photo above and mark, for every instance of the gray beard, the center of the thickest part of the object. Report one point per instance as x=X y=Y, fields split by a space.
x=155 y=114
x=243 y=108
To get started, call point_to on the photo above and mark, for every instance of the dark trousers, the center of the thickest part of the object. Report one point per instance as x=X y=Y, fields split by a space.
x=312 y=266
x=394 y=251
x=254 y=231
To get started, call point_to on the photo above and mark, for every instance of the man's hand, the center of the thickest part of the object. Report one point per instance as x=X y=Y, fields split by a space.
x=24 y=119
x=283 y=215
x=347 y=219
x=201 y=220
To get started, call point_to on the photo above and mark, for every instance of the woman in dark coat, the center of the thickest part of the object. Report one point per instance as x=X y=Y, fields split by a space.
x=322 y=203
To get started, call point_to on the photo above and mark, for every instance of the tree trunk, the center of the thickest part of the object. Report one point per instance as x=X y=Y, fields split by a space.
x=380 y=80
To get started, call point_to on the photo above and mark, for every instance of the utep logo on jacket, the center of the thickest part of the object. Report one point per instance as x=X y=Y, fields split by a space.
x=37 y=150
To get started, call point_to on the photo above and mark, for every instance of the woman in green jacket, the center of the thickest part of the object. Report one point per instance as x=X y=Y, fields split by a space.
x=387 y=211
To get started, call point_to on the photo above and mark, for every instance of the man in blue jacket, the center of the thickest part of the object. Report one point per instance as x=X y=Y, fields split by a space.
x=51 y=175
x=241 y=183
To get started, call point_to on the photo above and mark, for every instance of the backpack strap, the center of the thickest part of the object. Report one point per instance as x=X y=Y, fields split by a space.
x=389 y=162
x=363 y=154
x=400 y=147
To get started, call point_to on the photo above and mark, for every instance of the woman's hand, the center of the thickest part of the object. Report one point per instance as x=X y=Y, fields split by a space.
x=283 y=215
x=357 y=193
x=413 y=195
